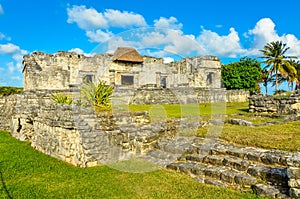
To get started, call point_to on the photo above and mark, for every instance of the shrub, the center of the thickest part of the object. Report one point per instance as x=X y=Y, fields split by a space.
x=6 y=90
x=61 y=98
x=97 y=95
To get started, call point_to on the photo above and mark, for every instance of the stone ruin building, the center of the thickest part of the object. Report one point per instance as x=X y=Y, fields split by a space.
x=126 y=68
x=136 y=79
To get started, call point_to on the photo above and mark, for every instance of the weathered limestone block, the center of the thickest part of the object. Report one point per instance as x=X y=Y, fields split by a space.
x=264 y=190
x=244 y=180
x=295 y=183
x=293 y=172
x=294 y=193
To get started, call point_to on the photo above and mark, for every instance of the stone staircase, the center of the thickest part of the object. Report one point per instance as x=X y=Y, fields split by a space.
x=263 y=172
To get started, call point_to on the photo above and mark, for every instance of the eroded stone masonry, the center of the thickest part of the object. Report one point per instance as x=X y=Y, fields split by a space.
x=84 y=137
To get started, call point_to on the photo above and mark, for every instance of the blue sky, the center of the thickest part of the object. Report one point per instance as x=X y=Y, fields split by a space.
x=170 y=29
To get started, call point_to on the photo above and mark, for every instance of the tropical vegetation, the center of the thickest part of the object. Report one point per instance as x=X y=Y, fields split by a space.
x=279 y=64
x=244 y=74
x=61 y=98
x=97 y=94
x=7 y=90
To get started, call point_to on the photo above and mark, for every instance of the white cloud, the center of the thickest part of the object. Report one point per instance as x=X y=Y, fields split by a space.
x=1 y=10
x=171 y=23
x=263 y=32
x=86 y=18
x=15 y=54
x=77 y=50
x=118 y=41
x=168 y=60
x=170 y=41
x=182 y=44
x=80 y=51
x=91 y=19
x=294 y=44
x=99 y=36
x=226 y=45
x=9 y=48
x=124 y=19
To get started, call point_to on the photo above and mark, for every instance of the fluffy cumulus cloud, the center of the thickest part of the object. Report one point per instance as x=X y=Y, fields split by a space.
x=90 y=18
x=222 y=45
x=86 y=18
x=167 y=36
x=16 y=54
x=9 y=48
x=99 y=36
x=80 y=51
x=171 y=23
x=97 y=24
x=116 y=18
x=264 y=32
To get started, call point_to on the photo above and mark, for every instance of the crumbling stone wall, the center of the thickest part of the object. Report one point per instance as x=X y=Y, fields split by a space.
x=273 y=104
x=64 y=70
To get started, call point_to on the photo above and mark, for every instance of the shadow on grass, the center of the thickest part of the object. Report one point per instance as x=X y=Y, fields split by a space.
x=4 y=185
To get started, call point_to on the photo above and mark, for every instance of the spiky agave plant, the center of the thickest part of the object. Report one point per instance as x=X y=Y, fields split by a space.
x=97 y=94
x=61 y=98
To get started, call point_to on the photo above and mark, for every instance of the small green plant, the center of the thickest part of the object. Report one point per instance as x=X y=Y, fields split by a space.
x=61 y=98
x=97 y=95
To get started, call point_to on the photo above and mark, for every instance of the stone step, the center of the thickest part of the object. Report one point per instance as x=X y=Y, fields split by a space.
x=161 y=158
x=177 y=145
x=273 y=176
x=202 y=170
x=276 y=177
x=262 y=156
x=219 y=160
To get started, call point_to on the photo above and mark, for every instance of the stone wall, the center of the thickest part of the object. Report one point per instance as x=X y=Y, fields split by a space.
x=273 y=104
x=183 y=95
x=79 y=135
x=237 y=96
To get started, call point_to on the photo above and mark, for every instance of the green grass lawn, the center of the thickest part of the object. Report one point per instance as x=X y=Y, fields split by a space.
x=186 y=110
x=26 y=173
x=280 y=136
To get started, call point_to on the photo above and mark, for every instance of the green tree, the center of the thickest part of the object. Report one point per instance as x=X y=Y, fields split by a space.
x=245 y=74
x=277 y=62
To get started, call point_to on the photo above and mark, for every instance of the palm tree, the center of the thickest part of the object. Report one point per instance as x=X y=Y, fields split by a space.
x=277 y=62
x=297 y=76
x=265 y=79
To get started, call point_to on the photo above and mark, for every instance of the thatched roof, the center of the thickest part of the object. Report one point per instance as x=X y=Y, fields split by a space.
x=127 y=55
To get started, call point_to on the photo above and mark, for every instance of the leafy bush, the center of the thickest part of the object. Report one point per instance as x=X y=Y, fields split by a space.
x=244 y=74
x=97 y=95
x=6 y=90
x=61 y=98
